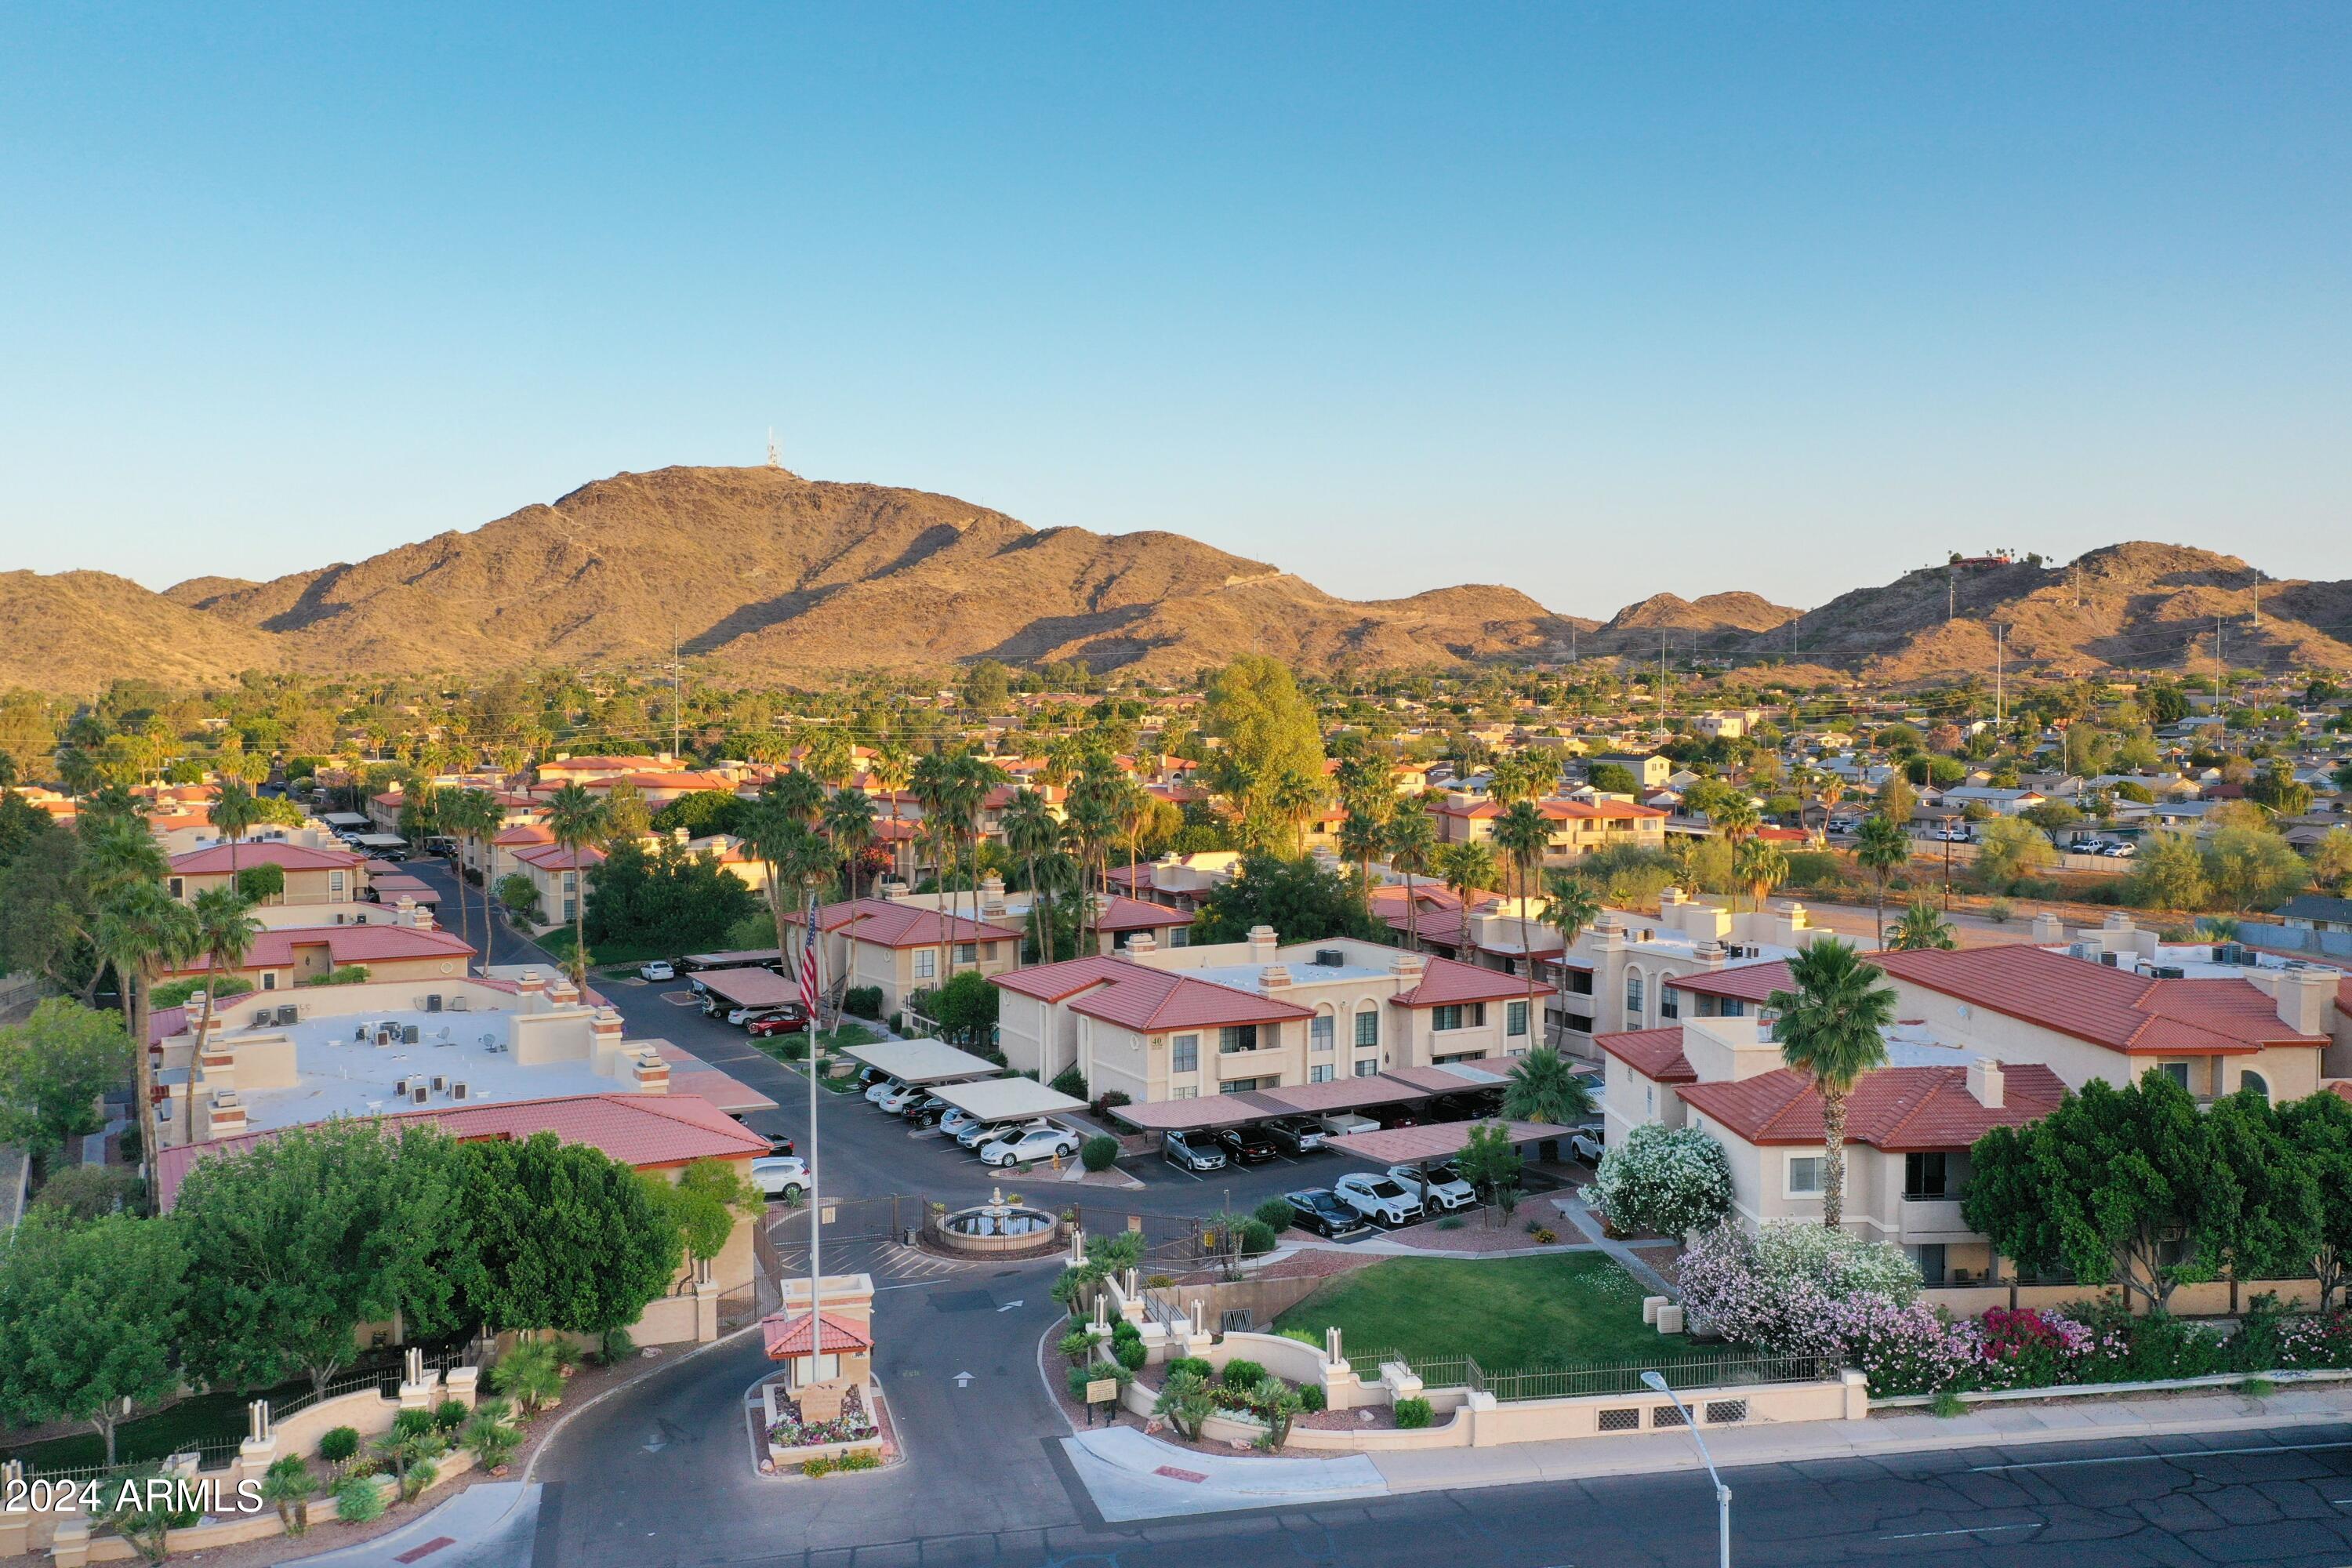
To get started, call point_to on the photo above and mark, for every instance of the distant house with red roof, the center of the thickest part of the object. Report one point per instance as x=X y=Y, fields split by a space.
x=314 y=876
x=406 y=947
x=1577 y=827
x=903 y=948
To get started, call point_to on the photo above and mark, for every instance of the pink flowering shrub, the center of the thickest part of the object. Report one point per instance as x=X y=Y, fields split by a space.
x=2323 y=1340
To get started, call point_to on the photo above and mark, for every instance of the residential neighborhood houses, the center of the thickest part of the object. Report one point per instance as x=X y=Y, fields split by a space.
x=1569 y=974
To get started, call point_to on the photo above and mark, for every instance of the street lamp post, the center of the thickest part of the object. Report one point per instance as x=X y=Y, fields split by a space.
x=1722 y=1493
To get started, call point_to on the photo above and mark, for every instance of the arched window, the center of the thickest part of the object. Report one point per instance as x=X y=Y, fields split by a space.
x=2254 y=1083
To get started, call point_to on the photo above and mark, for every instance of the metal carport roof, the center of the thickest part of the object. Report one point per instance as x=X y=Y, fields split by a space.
x=1007 y=1099
x=1402 y=1145
x=925 y=1061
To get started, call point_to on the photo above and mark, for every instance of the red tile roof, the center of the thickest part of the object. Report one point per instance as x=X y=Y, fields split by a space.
x=1139 y=914
x=525 y=833
x=1738 y=982
x=2111 y=1007
x=886 y=924
x=1655 y=1054
x=1445 y=981
x=344 y=944
x=1144 y=999
x=787 y=1337
x=646 y=1130
x=1895 y=1109
x=256 y=852
x=556 y=857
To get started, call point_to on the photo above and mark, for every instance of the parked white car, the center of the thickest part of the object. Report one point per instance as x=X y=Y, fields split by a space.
x=1378 y=1197
x=743 y=1017
x=1031 y=1144
x=958 y=1120
x=896 y=1102
x=1445 y=1190
x=781 y=1176
x=880 y=1087
x=659 y=969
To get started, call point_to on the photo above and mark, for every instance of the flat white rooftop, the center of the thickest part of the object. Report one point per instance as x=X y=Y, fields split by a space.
x=338 y=1075
x=1246 y=977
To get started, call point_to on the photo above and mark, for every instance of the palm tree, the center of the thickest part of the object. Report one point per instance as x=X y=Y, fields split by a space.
x=1467 y=868
x=830 y=756
x=1830 y=1030
x=1090 y=826
x=236 y=811
x=1569 y=906
x=1543 y=1088
x=775 y=830
x=478 y=818
x=1735 y=816
x=887 y=770
x=1413 y=847
x=225 y=932
x=1294 y=799
x=1880 y=847
x=800 y=792
x=577 y=820
x=975 y=778
x=1524 y=835
x=933 y=780
x=1922 y=926
x=849 y=824
x=1363 y=833
x=142 y=931
x=1030 y=831
x=1759 y=867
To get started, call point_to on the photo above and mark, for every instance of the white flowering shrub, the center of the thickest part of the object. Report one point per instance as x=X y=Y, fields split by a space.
x=1672 y=1180
x=1790 y=1252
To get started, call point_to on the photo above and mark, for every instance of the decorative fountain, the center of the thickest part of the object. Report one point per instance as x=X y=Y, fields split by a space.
x=995 y=1227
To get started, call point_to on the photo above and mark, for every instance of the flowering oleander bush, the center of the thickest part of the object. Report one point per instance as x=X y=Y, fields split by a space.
x=1777 y=1289
x=2030 y=1349
x=1671 y=1180
x=2320 y=1341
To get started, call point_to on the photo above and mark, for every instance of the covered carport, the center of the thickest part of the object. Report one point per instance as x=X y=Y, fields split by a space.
x=995 y=1100
x=926 y=1063
x=749 y=987
x=1211 y=1110
x=1438 y=1140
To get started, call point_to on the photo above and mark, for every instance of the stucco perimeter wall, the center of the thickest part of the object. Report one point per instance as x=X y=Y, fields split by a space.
x=2210 y=1299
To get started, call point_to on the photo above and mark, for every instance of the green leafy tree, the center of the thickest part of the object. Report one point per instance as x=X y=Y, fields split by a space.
x=2319 y=1126
x=1300 y=900
x=2331 y=861
x=965 y=1010
x=1489 y=1161
x=53 y=1068
x=705 y=1202
x=1270 y=730
x=310 y=1233
x=2007 y=848
x=2249 y=867
x=1830 y=1030
x=90 y=1315
x=1542 y=1087
x=559 y=1236
x=1612 y=778
x=2169 y=873
x=1922 y=927
x=2052 y=816
x=1882 y=848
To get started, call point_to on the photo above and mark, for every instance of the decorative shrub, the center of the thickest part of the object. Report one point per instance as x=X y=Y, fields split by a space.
x=1242 y=1373
x=1077 y=1346
x=859 y=1459
x=1275 y=1214
x=1194 y=1364
x=1413 y=1414
x=1070 y=1081
x=1099 y=1153
x=1311 y=1396
x=863 y=1001
x=449 y=1415
x=1122 y=1331
x=339 y=1444
x=1672 y=1180
x=1545 y=1237
x=1131 y=1353
x=1079 y=1376
x=358 y=1499
x=817 y=1468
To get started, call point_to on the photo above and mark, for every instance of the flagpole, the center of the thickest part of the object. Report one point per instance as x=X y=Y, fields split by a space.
x=812 y=963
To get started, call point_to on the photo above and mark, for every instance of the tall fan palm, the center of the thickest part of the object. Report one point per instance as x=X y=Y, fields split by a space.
x=800 y=792
x=1544 y=1088
x=1412 y=850
x=1881 y=847
x=224 y=933
x=933 y=780
x=774 y=829
x=889 y=769
x=1524 y=835
x=237 y=811
x=1759 y=867
x=849 y=824
x=577 y=820
x=1363 y=833
x=975 y=778
x=1832 y=1030
x=1090 y=826
x=1467 y=868
x=1734 y=817
x=830 y=756
x=1569 y=906
x=1295 y=798
x=142 y=931
x=482 y=815
x=1030 y=831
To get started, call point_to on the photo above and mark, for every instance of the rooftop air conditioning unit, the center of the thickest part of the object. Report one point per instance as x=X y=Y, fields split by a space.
x=440 y=1084
x=433 y=1004
x=2166 y=972
x=1331 y=958
x=410 y=1033
x=461 y=1090
x=2108 y=959
x=420 y=1095
x=289 y=1015
x=2230 y=953
x=2086 y=951
x=260 y=1018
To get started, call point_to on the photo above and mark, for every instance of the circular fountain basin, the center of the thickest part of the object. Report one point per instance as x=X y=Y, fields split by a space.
x=995 y=1228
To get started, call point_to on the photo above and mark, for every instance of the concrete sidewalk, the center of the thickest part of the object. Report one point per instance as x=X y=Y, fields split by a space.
x=488 y=1525
x=1129 y=1475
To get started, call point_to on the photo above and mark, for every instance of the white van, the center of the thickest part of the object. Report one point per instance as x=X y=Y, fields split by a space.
x=1341 y=1122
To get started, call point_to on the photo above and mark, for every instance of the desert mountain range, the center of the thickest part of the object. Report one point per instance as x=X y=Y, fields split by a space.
x=766 y=573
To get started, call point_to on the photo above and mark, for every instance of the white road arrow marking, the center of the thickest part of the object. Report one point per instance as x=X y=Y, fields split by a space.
x=1009 y=1306
x=962 y=1379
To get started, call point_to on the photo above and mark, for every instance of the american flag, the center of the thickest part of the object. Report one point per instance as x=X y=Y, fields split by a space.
x=808 y=963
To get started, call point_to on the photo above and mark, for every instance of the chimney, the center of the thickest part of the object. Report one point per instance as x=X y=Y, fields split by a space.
x=991 y=896
x=1668 y=897
x=1273 y=980
x=607 y=1026
x=1408 y=968
x=648 y=1072
x=2304 y=993
x=1260 y=944
x=1985 y=1082
x=1139 y=945
x=561 y=993
x=1710 y=952
x=530 y=992
x=2048 y=929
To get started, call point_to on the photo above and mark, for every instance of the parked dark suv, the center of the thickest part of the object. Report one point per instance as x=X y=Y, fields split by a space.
x=1295 y=1134
x=1318 y=1209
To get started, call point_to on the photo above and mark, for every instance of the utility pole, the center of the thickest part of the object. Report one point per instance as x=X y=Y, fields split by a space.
x=1661 y=684
x=1951 y=592
x=2000 y=661
x=674 y=712
x=2258 y=601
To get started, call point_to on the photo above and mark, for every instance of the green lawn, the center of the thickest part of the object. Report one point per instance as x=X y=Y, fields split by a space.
x=1511 y=1313
x=196 y=1420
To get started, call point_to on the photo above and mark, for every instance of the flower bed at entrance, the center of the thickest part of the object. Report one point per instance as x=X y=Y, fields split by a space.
x=790 y=1432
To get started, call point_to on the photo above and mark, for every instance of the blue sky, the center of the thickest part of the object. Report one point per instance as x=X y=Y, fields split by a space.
x=1593 y=301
